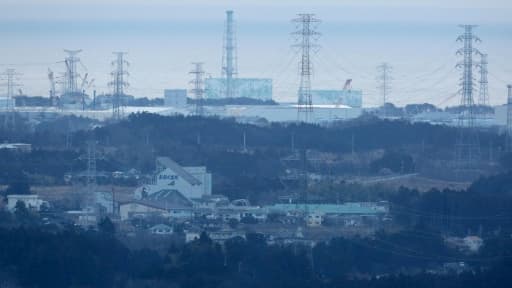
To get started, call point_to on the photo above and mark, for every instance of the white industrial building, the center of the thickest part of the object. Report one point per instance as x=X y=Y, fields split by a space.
x=31 y=201
x=255 y=88
x=172 y=180
x=286 y=112
x=350 y=98
x=500 y=115
x=17 y=147
x=175 y=98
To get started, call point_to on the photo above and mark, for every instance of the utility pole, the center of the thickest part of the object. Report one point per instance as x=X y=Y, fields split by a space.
x=508 y=146
x=304 y=174
x=353 y=147
x=229 y=57
x=467 y=147
x=306 y=37
x=10 y=76
x=53 y=92
x=198 y=87
x=483 y=97
x=244 y=143
x=118 y=84
x=384 y=79
x=91 y=172
x=292 y=143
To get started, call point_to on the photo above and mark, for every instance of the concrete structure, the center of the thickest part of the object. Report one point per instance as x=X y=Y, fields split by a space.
x=31 y=201
x=256 y=88
x=350 y=98
x=175 y=98
x=172 y=180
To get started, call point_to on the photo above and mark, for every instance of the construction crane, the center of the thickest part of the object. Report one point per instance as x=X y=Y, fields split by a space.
x=84 y=82
x=89 y=84
x=346 y=87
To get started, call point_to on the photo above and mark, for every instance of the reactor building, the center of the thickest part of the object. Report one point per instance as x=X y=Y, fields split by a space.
x=256 y=88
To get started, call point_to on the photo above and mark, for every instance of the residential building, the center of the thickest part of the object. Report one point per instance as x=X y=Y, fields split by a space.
x=133 y=209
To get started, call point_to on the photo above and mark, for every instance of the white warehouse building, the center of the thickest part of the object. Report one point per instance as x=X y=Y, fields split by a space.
x=171 y=178
x=175 y=98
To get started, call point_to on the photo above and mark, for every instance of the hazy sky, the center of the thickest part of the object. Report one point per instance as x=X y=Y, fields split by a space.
x=162 y=38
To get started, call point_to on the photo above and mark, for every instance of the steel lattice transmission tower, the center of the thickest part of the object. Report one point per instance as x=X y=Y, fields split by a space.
x=71 y=75
x=384 y=79
x=483 y=91
x=508 y=147
x=10 y=76
x=467 y=147
x=306 y=37
x=198 y=87
x=229 y=57
x=118 y=84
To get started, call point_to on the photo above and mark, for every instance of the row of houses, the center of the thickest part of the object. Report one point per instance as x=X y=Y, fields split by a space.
x=182 y=194
x=348 y=214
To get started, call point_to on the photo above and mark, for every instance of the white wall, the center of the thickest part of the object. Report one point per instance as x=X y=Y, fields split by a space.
x=175 y=98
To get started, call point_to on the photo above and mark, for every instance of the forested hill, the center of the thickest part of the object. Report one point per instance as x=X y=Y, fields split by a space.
x=368 y=133
x=72 y=258
x=365 y=133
